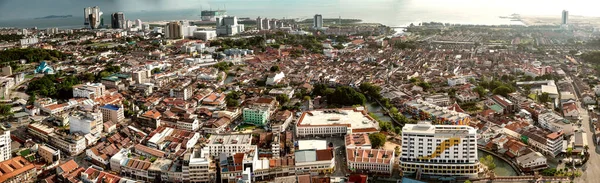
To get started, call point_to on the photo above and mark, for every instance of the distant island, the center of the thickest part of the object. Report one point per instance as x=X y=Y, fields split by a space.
x=55 y=16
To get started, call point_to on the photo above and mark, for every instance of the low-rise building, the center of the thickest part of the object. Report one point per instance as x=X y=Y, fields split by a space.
x=49 y=154
x=70 y=144
x=532 y=161
x=336 y=122
x=316 y=161
x=228 y=144
x=371 y=160
x=89 y=90
x=258 y=116
x=17 y=170
x=424 y=110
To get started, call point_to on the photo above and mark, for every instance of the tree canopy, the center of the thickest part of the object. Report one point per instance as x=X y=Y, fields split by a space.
x=31 y=55
x=377 y=140
x=53 y=85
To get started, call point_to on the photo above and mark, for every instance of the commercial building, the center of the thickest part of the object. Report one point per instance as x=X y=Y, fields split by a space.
x=70 y=144
x=439 y=150
x=40 y=131
x=336 y=122
x=565 y=17
x=201 y=168
x=169 y=139
x=29 y=41
x=316 y=161
x=49 y=154
x=210 y=15
x=17 y=170
x=92 y=17
x=257 y=116
x=228 y=144
x=112 y=113
x=424 y=110
x=182 y=91
x=205 y=35
x=5 y=149
x=86 y=123
x=533 y=160
x=173 y=30
x=370 y=160
x=555 y=123
x=141 y=76
x=89 y=90
x=548 y=143
x=228 y=26
x=118 y=20
x=318 y=21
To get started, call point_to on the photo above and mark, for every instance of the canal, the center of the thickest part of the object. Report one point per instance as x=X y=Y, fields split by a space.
x=502 y=167
x=376 y=109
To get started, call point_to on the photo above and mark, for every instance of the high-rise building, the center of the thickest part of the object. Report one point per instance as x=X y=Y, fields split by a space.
x=138 y=23
x=117 y=20
x=210 y=15
x=259 y=23
x=318 y=21
x=24 y=32
x=92 y=17
x=229 y=26
x=5 y=153
x=565 y=17
x=439 y=150
x=173 y=30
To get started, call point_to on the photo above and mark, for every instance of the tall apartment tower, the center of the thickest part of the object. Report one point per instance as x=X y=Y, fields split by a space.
x=439 y=150
x=565 y=17
x=117 y=20
x=173 y=30
x=318 y=21
x=92 y=17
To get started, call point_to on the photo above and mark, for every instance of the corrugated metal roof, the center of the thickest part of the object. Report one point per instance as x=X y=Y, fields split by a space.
x=306 y=156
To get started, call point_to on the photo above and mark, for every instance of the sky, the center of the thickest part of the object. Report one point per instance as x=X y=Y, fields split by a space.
x=26 y=9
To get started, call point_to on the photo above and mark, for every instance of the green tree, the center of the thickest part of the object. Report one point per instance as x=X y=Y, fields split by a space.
x=370 y=90
x=282 y=99
x=549 y=172
x=307 y=98
x=544 y=97
x=488 y=161
x=397 y=150
x=274 y=68
x=398 y=130
x=155 y=70
x=502 y=90
x=377 y=140
x=467 y=181
x=5 y=110
x=480 y=90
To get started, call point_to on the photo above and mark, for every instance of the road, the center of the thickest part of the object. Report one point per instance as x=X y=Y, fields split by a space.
x=591 y=170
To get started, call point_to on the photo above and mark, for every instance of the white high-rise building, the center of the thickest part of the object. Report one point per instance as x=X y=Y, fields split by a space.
x=86 y=123
x=139 y=23
x=440 y=150
x=318 y=21
x=92 y=17
x=5 y=153
x=229 y=26
x=565 y=17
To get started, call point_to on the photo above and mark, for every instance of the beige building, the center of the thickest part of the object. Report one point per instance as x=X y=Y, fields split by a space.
x=112 y=113
x=49 y=154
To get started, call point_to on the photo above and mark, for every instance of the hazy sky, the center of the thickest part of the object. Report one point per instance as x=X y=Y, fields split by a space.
x=20 y=9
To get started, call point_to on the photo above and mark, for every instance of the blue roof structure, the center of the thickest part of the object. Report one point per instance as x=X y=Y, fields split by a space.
x=409 y=180
x=111 y=107
x=44 y=68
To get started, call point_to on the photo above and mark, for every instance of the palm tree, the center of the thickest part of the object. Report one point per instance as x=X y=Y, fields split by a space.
x=586 y=148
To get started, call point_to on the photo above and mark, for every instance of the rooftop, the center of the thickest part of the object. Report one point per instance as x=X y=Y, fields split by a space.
x=355 y=118
x=428 y=128
x=13 y=167
x=230 y=139
x=111 y=107
x=312 y=144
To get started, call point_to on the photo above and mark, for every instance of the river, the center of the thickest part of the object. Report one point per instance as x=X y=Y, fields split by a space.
x=502 y=167
x=376 y=109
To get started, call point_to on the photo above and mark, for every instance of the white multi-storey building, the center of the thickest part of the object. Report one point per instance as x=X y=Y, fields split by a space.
x=201 y=168
x=229 y=144
x=86 y=123
x=336 y=122
x=5 y=152
x=89 y=90
x=112 y=113
x=373 y=160
x=441 y=150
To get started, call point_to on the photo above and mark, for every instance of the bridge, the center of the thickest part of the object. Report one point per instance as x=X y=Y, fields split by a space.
x=398 y=27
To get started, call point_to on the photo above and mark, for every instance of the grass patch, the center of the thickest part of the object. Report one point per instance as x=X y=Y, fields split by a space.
x=28 y=76
x=244 y=127
x=25 y=152
x=532 y=96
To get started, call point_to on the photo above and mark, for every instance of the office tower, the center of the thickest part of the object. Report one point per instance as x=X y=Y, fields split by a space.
x=318 y=21
x=24 y=32
x=228 y=26
x=5 y=152
x=439 y=150
x=117 y=20
x=209 y=15
x=138 y=23
x=565 y=17
x=92 y=17
x=173 y=30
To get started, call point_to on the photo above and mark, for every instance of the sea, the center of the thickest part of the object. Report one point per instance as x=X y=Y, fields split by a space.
x=394 y=13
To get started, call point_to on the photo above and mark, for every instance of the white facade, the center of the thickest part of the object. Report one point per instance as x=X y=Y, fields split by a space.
x=318 y=21
x=112 y=113
x=229 y=144
x=336 y=122
x=89 y=90
x=274 y=79
x=188 y=30
x=553 y=122
x=531 y=160
x=29 y=41
x=373 y=160
x=442 y=150
x=200 y=168
x=205 y=35
x=5 y=150
x=70 y=144
x=86 y=123
x=228 y=26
